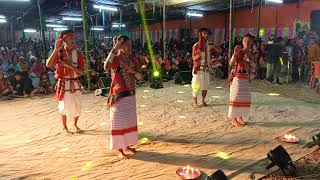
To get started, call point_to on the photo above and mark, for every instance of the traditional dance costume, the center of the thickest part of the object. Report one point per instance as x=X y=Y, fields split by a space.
x=240 y=95
x=67 y=87
x=200 y=72
x=122 y=103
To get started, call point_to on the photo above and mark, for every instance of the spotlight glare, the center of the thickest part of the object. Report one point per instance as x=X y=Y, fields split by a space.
x=2 y=17
x=144 y=140
x=102 y=124
x=86 y=166
x=156 y=74
x=217 y=97
x=273 y=94
x=64 y=149
x=222 y=155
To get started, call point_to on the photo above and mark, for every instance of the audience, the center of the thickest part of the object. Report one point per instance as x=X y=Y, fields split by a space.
x=4 y=86
x=23 y=71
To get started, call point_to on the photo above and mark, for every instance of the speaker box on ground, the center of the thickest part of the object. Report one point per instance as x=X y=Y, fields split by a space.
x=104 y=82
x=102 y=92
x=183 y=77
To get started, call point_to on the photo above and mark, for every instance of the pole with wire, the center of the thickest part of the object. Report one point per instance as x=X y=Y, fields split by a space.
x=86 y=42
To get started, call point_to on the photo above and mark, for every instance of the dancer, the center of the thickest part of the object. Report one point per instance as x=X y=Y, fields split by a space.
x=122 y=100
x=201 y=55
x=240 y=95
x=70 y=66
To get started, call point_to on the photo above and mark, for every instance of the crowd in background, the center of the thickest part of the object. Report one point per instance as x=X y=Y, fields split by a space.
x=279 y=60
x=23 y=71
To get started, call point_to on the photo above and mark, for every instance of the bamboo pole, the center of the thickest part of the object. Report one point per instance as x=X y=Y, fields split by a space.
x=164 y=33
x=231 y=39
x=42 y=33
x=259 y=20
x=86 y=42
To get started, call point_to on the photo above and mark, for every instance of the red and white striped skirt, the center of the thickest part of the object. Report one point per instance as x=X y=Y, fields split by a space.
x=240 y=98
x=123 y=116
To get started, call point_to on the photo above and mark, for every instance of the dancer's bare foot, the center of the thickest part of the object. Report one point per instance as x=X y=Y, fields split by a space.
x=121 y=155
x=132 y=150
x=204 y=104
x=241 y=121
x=195 y=105
x=235 y=123
x=78 y=130
x=67 y=132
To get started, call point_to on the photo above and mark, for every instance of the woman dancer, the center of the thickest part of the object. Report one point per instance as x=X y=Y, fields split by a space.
x=240 y=95
x=122 y=100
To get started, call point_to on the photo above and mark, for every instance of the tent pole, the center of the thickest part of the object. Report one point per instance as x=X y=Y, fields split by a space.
x=86 y=42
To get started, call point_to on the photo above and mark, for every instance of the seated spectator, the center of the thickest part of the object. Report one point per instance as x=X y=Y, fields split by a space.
x=23 y=64
x=189 y=61
x=94 y=79
x=4 y=64
x=11 y=74
x=44 y=85
x=38 y=68
x=51 y=78
x=22 y=85
x=14 y=65
x=4 y=86
x=183 y=65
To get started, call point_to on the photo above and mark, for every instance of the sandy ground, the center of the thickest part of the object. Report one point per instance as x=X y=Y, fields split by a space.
x=32 y=148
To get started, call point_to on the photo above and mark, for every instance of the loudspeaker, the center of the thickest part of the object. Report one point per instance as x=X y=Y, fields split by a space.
x=104 y=82
x=315 y=20
x=102 y=91
x=183 y=77
x=218 y=175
